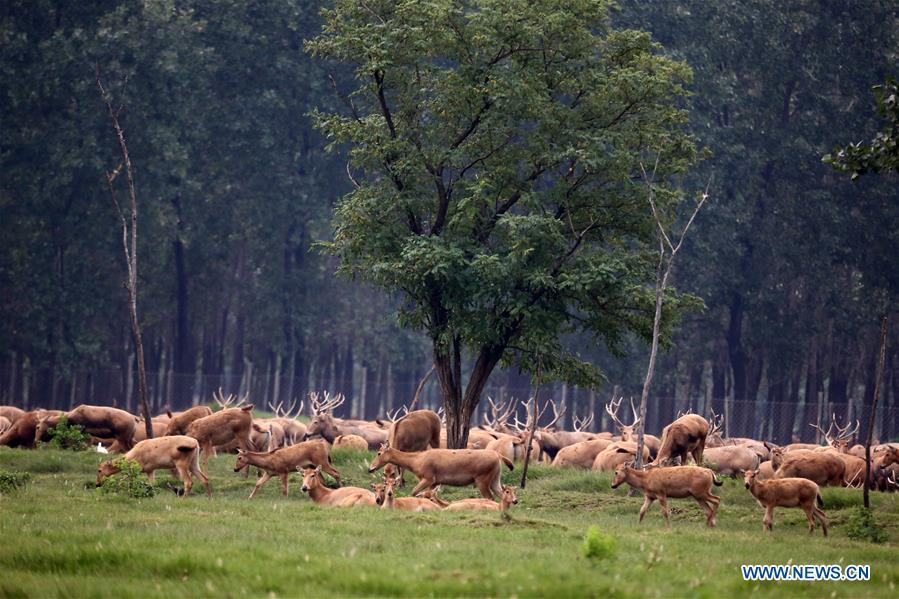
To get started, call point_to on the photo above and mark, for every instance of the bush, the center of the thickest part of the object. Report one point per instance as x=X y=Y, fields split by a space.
x=13 y=481
x=863 y=526
x=597 y=545
x=68 y=436
x=130 y=481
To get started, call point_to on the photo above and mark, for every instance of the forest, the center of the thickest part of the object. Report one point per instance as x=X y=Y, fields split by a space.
x=794 y=261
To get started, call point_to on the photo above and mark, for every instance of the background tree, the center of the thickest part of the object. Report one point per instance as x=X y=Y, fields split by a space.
x=497 y=161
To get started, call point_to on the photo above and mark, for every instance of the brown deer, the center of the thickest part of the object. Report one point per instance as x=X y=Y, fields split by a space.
x=352 y=441
x=787 y=492
x=11 y=413
x=281 y=462
x=286 y=419
x=325 y=425
x=676 y=481
x=179 y=422
x=616 y=454
x=23 y=431
x=416 y=431
x=5 y=424
x=731 y=460
x=685 y=436
x=223 y=427
x=552 y=441
x=385 y=496
x=100 y=421
x=581 y=455
x=507 y=500
x=455 y=467
x=314 y=485
x=823 y=468
x=651 y=442
x=177 y=452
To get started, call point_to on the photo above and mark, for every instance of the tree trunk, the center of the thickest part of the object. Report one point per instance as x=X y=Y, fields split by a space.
x=812 y=383
x=185 y=361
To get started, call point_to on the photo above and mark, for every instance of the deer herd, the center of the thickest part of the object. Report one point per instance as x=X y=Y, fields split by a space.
x=415 y=442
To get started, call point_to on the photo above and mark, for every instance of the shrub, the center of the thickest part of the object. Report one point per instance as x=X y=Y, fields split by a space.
x=863 y=526
x=130 y=481
x=68 y=436
x=597 y=545
x=13 y=481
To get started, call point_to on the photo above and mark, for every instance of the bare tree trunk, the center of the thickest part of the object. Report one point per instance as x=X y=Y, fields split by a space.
x=129 y=241
x=883 y=347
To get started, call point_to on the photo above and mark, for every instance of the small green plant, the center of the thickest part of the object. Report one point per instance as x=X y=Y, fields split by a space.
x=130 y=481
x=597 y=545
x=863 y=526
x=11 y=482
x=68 y=436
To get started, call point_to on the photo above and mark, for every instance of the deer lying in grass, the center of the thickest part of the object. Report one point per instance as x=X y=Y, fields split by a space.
x=11 y=413
x=101 y=421
x=5 y=424
x=325 y=425
x=178 y=452
x=823 y=468
x=676 y=481
x=314 y=485
x=617 y=453
x=352 y=441
x=454 y=467
x=281 y=462
x=581 y=455
x=731 y=460
x=385 y=496
x=23 y=431
x=787 y=492
x=507 y=499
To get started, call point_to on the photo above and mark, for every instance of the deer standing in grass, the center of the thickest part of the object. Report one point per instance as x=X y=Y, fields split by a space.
x=314 y=485
x=676 y=481
x=281 y=462
x=230 y=425
x=454 y=467
x=787 y=492
x=177 y=452
x=385 y=496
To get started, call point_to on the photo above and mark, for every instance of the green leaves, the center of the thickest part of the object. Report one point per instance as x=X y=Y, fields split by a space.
x=497 y=161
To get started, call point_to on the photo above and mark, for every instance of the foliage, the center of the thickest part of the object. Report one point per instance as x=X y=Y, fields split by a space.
x=10 y=482
x=130 y=481
x=68 y=436
x=498 y=164
x=597 y=546
x=881 y=154
x=863 y=526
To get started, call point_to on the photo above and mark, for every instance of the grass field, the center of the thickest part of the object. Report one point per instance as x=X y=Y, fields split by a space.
x=59 y=537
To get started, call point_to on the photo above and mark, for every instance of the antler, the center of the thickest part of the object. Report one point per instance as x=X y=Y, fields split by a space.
x=825 y=434
x=320 y=406
x=397 y=414
x=221 y=401
x=523 y=426
x=280 y=412
x=499 y=413
x=612 y=409
x=844 y=433
x=581 y=423
x=716 y=423
x=556 y=414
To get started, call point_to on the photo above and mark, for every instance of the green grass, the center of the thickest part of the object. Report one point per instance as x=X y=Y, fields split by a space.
x=61 y=538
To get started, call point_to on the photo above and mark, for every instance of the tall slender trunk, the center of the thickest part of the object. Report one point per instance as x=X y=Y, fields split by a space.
x=812 y=386
x=184 y=358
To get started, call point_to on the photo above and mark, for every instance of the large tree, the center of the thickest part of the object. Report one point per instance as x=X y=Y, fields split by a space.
x=496 y=148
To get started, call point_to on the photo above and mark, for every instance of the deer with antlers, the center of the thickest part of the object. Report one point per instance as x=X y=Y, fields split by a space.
x=325 y=425
x=228 y=425
x=838 y=443
x=552 y=441
x=285 y=422
x=651 y=442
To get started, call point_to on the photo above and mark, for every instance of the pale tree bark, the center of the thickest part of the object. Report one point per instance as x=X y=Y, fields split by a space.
x=667 y=253
x=532 y=428
x=877 y=379
x=129 y=244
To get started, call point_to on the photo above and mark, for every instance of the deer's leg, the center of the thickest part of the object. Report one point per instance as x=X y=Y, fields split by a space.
x=422 y=485
x=195 y=469
x=262 y=480
x=152 y=476
x=663 y=502
x=821 y=518
x=284 y=481
x=647 y=501
x=206 y=449
x=184 y=475
x=809 y=514
x=327 y=467
x=768 y=521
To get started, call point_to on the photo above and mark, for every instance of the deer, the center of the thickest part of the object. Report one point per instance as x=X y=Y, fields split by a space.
x=685 y=436
x=497 y=421
x=352 y=441
x=177 y=452
x=5 y=424
x=514 y=447
x=23 y=431
x=286 y=419
x=731 y=460
x=223 y=427
x=416 y=431
x=651 y=442
x=676 y=481
x=616 y=454
x=314 y=486
x=507 y=500
x=11 y=413
x=838 y=439
x=455 y=467
x=552 y=441
x=787 y=492
x=385 y=496
x=581 y=455
x=179 y=422
x=101 y=421
x=823 y=468
x=326 y=426
x=281 y=462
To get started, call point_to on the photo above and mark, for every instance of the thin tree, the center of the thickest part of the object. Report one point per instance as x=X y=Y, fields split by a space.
x=667 y=253
x=129 y=245
x=532 y=427
x=883 y=350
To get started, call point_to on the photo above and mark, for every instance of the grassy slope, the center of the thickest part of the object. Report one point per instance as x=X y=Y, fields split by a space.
x=60 y=538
